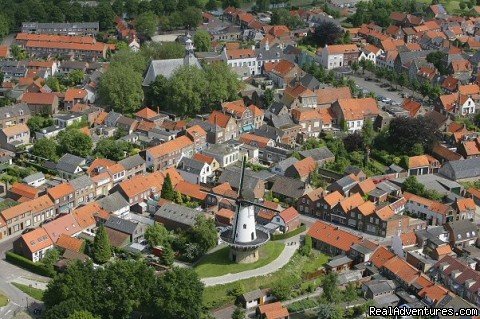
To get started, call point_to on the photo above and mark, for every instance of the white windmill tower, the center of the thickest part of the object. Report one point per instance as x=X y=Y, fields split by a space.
x=244 y=237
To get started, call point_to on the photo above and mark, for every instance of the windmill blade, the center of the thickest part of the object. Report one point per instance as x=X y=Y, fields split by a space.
x=242 y=175
x=259 y=205
x=235 y=224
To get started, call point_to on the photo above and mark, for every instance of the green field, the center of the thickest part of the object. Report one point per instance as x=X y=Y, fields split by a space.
x=32 y=292
x=450 y=5
x=218 y=296
x=3 y=300
x=218 y=263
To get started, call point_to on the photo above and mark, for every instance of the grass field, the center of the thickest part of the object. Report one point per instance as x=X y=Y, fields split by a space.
x=217 y=296
x=32 y=292
x=3 y=300
x=218 y=263
x=450 y=5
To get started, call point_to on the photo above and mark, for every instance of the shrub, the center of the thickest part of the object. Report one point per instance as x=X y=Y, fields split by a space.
x=292 y=233
x=23 y=262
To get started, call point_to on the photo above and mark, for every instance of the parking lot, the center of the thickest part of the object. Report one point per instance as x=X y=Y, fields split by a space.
x=378 y=89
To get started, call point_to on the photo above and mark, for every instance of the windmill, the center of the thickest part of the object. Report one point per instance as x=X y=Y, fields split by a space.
x=244 y=237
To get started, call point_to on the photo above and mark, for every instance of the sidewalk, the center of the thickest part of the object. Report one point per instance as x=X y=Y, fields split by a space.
x=275 y=265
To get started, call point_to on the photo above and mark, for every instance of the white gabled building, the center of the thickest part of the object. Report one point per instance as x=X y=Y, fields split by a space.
x=338 y=55
x=370 y=52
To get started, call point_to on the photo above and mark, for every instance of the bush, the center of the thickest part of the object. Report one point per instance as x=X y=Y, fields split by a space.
x=292 y=233
x=23 y=262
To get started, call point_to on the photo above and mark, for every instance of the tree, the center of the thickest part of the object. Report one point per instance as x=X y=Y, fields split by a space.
x=167 y=189
x=157 y=235
x=238 y=313
x=146 y=23
x=82 y=315
x=268 y=98
x=75 y=142
x=168 y=255
x=438 y=59
x=282 y=288
x=53 y=83
x=179 y=294
x=49 y=260
x=161 y=51
x=4 y=26
x=18 y=53
x=2 y=77
x=404 y=133
x=75 y=77
x=307 y=246
x=282 y=17
x=329 y=311
x=135 y=60
x=202 y=41
x=102 y=252
x=354 y=142
x=204 y=233
x=114 y=150
x=367 y=132
x=412 y=185
x=105 y=15
x=45 y=148
x=327 y=32
x=355 y=66
x=211 y=5
x=331 y=293
x=221 y=82
x=462 y=5
x=37 y=122
x=192 y=17
x=350 y=293
x=178 y=197
x=121 y=88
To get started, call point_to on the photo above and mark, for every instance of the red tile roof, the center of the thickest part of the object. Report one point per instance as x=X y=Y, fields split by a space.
x=170 y=147
x=37 y=239
x=289 y=214
x=381 y=256
x=39 y=98
x=333 y=236
x=65 y=224
x=70 y=243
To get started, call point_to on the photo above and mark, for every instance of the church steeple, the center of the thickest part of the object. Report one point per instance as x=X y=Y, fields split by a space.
x=189 y=51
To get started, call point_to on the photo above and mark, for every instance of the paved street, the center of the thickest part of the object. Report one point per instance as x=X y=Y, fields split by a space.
x=374 y=87
x=9 y=273
x=278 y=263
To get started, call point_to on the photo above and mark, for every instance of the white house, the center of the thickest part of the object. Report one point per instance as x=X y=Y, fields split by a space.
x=435 y=213
x=194 y=171
x=33 y=245
x=370 y=52
x=239 y=58
x=338 y=55
x=35 y=179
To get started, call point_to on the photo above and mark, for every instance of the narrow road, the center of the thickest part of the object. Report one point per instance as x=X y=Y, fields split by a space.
x=275 y=265
x=9 y=273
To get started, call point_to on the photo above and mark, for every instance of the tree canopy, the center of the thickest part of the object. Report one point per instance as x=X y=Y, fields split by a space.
x=167 y=189
x=114 y=150
x=404 y=133
x=202 y=41
x=146 y=23
x=46 y=148
x=102 y=251
x=121 y=88
x=191 y=89
x=327 y=32
x=75 y=142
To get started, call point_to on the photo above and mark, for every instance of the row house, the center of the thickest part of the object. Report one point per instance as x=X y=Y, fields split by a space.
x=370 y=53
x=169 y=153
x=309 y=120
x=332 y=240
x=62 y=196
x=458 y=277
x=198 y=135
x=228 y=125
x=33 y=245
x=247 y=118
x=435 y=213
x=14 y=114
x=338 y=55
x=84 y=189
x=27 y=215
x=67 y=28
x=282 y=72
x=299 y=96
x=455 y=104
x=80 y=51
x=241 y=58
x=310 y=203
x=14 y=137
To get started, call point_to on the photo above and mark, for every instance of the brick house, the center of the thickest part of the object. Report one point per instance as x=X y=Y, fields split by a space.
x=169 y=153
x=41 y=103
x=332 y=240
x=33 y=245
x=310 y=202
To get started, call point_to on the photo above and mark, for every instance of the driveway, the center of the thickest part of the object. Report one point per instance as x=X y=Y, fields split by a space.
x=275 y=265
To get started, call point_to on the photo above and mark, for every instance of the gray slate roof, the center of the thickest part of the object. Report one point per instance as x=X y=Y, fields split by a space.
x=190 y=165
x=461 y=169
x=121 y=225
x=286 y=163
x=132 y=161
x=463 y=229
x=318 y=154
x=81 y=182
x=179 y=214
x=33 y=177
x=14 y=110
x=167 y=68
x=290 y=187
x=69 y=163
x=113 y=202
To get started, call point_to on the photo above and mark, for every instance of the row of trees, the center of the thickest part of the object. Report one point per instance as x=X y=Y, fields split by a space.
x=71 y=141
x=191 y=90
x=378 y=11
x=118 y=289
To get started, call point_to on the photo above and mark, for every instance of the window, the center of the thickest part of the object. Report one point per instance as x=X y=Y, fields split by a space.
x=244 y=226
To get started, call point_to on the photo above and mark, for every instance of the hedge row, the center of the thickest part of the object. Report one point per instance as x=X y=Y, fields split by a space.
x=292 y=233
x=23 y=262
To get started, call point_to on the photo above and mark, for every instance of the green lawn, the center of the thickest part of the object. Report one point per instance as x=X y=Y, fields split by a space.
x=3 y=300
x=32 y=292
x=218 y=296
x=218 y=263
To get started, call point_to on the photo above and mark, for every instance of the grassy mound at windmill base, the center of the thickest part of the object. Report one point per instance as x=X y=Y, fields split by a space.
x=218 y=264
